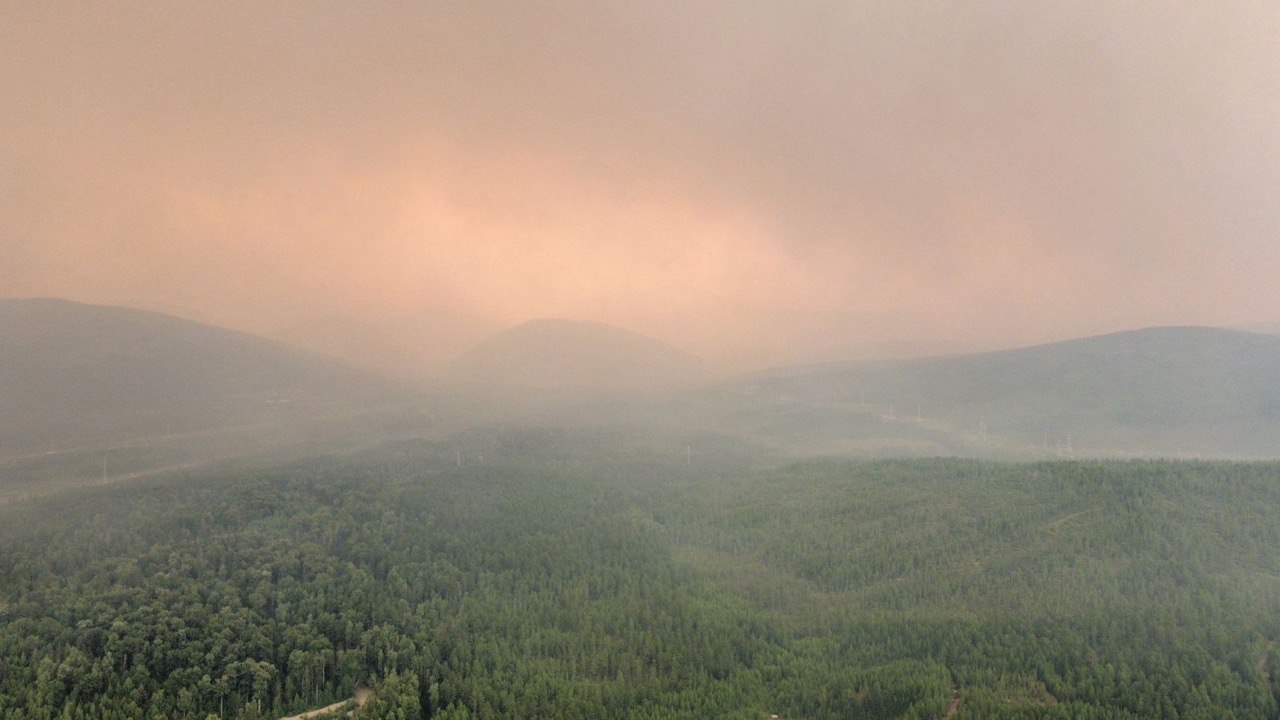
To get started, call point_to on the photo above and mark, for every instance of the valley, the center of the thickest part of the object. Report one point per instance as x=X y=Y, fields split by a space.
x=795 y=543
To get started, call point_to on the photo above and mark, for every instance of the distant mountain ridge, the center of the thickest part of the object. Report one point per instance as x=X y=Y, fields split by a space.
x=555 y=353
x=71 y=372
x=82 y=375
x=1265 y=327
x=1164 y=390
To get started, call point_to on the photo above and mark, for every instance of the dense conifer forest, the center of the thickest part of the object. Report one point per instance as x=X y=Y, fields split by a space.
x=586 y=575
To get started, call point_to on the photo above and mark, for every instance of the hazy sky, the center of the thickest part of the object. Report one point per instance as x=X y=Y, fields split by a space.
x=754 y=181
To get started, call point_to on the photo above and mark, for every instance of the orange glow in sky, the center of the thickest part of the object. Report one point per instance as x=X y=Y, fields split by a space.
x=758 y=183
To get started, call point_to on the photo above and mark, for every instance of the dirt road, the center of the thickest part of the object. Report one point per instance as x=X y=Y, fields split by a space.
x=319 y=711
x=362 y=696
x=955 y=704
x=1262 y=667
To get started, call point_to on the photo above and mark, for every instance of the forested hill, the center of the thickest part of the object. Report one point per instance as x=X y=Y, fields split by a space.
x=76 y=374
x=1169 y=390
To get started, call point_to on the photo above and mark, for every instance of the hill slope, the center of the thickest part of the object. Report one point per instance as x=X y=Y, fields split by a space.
x=567 y=354
x=1172 y=390
x=78 y=374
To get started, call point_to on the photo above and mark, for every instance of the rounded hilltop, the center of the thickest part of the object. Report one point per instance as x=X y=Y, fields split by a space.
x=559 y=353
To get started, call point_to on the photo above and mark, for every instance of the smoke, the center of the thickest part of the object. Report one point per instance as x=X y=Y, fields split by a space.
x=756 y=182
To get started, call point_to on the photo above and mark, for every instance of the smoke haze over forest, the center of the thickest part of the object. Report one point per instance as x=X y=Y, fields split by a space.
x=755 y=182
x=622 y=359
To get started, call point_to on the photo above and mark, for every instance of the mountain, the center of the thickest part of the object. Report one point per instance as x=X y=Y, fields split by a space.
x=569 y=355
x=1265 y=327
x=412 y=347
x=75 y=374
x=359 y=343
x=1164 y=391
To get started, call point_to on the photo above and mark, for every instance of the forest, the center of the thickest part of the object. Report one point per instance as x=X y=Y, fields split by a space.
x=572 y=574
x=639 y=360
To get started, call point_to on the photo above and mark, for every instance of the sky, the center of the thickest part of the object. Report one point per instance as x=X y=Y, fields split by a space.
x=756 y=182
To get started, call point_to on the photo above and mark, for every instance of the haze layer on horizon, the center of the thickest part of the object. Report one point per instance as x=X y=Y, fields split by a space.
x=756 y=182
